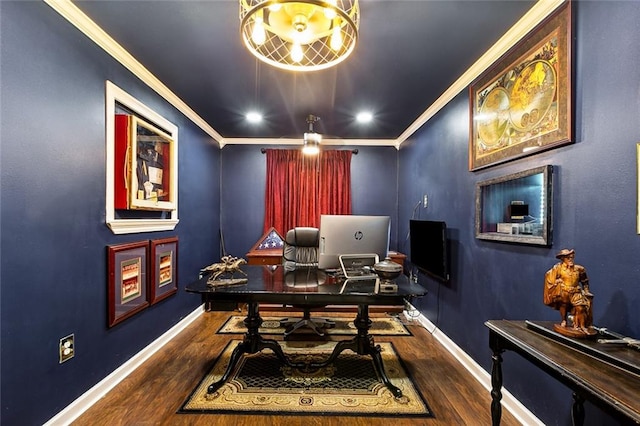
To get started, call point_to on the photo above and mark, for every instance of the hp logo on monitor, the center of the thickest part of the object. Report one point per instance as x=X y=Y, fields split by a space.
x=358 y=235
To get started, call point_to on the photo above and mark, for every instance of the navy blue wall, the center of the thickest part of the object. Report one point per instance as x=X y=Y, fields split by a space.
x=594 y=208
x=373 y=187
x=53 y=264
x=54 y=237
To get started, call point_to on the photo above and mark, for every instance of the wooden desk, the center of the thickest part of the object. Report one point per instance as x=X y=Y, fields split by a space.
x=274 y=257
x=305 y=287
x=613 y=389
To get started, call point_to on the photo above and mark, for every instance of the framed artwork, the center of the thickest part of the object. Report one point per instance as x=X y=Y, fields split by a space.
x=127 y=280
x=141 y=166
x=517 y=208
x=523 y=103
x=163 y=268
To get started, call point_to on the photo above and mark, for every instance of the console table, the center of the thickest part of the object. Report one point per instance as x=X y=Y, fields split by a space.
x=305 y=287
x=614 y=389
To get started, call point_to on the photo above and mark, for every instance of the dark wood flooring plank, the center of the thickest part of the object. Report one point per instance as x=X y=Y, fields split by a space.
x=155 y=391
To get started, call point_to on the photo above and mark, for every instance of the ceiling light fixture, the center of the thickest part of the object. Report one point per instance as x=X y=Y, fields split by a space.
x=254 y=117
x=302 y=35
x=364 y=117
x=312 y=139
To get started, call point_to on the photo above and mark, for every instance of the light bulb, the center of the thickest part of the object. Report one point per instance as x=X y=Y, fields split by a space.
x=296 y=52
x=330 y=12
x=258 y=34
x=310 y=150
x=336 y=38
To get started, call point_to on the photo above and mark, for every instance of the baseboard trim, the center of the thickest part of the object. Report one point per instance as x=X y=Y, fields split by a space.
x=86 y=400
x=509 y=402
x=90 y=397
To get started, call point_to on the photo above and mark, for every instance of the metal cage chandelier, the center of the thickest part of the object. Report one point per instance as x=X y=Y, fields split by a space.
x=300 y=35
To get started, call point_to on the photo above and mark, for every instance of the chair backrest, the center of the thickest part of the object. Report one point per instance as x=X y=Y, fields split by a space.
x=301 y=245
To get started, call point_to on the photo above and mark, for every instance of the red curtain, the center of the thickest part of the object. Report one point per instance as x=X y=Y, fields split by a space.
x=299 y=187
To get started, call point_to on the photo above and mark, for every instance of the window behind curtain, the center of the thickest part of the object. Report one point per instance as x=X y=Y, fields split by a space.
x=299 y=188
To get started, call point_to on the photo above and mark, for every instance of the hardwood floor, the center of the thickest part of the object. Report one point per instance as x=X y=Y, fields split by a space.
x=154 y=392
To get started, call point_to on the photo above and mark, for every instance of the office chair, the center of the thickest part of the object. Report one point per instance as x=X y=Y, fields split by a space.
x=300 y=260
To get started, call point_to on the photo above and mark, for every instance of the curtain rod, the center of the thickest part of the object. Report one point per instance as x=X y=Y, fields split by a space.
x=354 y=151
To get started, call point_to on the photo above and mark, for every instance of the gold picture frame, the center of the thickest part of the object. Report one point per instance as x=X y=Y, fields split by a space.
x=523 y=103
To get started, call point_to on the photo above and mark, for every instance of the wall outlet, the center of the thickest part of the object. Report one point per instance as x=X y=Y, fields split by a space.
x=67 y=348
x=425 y=201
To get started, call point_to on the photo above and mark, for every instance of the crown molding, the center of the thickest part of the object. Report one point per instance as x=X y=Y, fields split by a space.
x=533 y=17
x=82 y=22
x=298 y=141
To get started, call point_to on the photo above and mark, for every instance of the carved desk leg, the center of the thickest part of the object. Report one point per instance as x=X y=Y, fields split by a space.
x=577 y=410
x=496 y=379
x=362 y=344
x=251 y=344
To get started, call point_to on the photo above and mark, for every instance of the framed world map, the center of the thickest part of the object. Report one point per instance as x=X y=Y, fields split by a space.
x=523 y=103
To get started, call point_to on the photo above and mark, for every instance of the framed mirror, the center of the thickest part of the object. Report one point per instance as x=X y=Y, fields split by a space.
x=516 y=208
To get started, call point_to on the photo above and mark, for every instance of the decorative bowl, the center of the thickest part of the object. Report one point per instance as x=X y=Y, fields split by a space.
x=387 y=269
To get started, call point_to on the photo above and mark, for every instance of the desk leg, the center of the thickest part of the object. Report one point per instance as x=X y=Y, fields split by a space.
x=362 y=344
x=577 y=410
x=251 y=344
x=496 y=379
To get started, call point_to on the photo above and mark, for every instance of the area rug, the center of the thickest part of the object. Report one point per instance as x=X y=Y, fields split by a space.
x=261 y=384
x=380 y=326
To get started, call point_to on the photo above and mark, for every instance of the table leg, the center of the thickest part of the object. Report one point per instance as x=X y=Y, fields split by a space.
x=577 y=410
x=362 y=344
x=496 y=379
x=251 y=344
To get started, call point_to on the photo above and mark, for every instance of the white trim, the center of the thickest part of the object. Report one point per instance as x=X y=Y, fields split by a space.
x=298 y=141
x=86 y=400
x=76 y=17
x=509 y=402
x=89 y=28
x=113 y=95
x=533 y=17
x=90 y=397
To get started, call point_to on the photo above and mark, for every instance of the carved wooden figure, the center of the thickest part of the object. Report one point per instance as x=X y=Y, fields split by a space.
x=566 y=288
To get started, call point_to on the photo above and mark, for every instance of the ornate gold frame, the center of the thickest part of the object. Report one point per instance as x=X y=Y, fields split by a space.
x=523 y=103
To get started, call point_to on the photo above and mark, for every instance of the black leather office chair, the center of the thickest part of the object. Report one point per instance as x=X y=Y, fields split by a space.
x=300 y=259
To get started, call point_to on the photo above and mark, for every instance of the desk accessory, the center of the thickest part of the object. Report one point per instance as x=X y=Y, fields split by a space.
x=229 y=266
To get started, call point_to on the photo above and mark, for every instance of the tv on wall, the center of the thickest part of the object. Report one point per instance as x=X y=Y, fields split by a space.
x=430 y=248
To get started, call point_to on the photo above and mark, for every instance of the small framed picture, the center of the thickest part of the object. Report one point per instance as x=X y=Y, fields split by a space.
x=127 y=280
x=163 y=269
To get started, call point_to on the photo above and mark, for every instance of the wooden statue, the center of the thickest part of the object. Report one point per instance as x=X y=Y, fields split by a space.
x=566 y=288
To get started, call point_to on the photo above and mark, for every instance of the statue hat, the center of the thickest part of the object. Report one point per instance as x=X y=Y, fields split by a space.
x=564 y=253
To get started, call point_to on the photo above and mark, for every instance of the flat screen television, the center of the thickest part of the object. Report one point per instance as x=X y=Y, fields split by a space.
x=429 y=248
x=352 y=234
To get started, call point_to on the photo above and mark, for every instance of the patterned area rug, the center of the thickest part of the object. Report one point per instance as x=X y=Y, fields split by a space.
x=383 y=326
x=261 y=384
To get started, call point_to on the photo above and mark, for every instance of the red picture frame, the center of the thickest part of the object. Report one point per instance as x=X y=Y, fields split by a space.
x=127 y=281
x=163 y=269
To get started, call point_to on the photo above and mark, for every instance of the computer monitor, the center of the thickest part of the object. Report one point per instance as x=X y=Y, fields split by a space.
x=352 y=234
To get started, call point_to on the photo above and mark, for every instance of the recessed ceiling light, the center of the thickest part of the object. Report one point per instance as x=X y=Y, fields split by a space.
x=364 y=117
x=254 y=117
